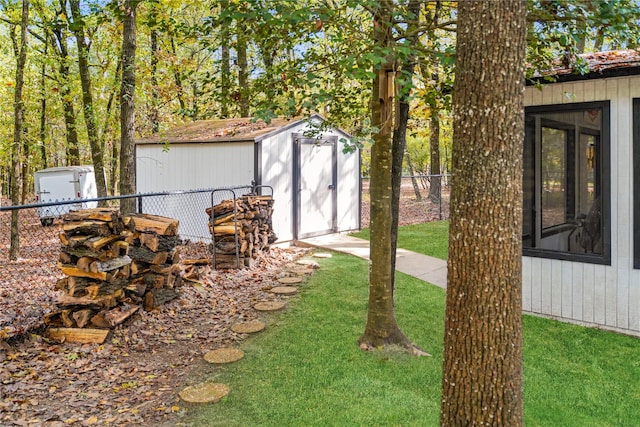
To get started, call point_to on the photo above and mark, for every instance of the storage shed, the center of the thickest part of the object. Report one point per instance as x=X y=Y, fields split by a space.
x=581 y=185
x=316 y=187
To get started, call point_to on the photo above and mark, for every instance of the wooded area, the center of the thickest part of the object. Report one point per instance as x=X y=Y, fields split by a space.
x=364 y=64
x=70 y=67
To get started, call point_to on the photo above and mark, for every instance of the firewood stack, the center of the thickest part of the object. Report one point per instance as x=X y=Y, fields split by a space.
x=251 y=221
x=114 y=266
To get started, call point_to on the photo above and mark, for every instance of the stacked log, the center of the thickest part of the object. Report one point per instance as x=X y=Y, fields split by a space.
x=113 y=266
x=239 y=235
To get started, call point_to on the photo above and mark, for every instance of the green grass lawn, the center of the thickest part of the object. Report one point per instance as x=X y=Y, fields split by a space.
x=305 y=369
x=430 y=238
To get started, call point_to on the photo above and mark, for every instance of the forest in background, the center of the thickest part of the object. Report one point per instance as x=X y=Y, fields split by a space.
x=253 y=58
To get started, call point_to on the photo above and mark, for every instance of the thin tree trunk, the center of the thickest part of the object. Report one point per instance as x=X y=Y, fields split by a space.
x=381 y=328
x=154 y=115
x=127 y=107
x=113 y=163
x=20 y=51
x=43 y=107
x=482 y=368
x=73 y=149
x=87 y=97
x=414 y=181
x=435 y=187
x=177 y=78
x=243 y=72
x=225 y=66
x=25 y=166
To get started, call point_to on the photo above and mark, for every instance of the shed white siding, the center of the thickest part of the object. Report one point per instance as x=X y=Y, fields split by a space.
x=607 y=296
x=277 y=171
x=193 y=166
x=348 y=190
x=276 y=154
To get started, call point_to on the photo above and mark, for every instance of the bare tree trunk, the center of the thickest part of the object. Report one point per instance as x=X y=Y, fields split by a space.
x=113 y=162
x=20 y=50
x=59 y=42
x=414 y=181
x=154 y=115
x=43 y=107
x=386 y=153
x=435 y=187
x=25 y=167
x=482 y=368
x=243 y=71
x=127 y=107
x=177 y=78
x=87 y=97
x=225 y=67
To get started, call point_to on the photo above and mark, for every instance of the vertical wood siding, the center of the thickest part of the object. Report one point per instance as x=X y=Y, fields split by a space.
x=277 y=171
x=603 y=295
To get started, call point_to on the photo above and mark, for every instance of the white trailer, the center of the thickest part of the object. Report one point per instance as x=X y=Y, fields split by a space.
x=62 y=184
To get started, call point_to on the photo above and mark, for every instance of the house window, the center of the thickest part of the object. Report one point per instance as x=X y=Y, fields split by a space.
x=566 y=182
x=636 y=183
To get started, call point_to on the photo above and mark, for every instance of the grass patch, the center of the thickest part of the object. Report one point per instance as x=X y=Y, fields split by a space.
x=306 y=368
x=430 y=238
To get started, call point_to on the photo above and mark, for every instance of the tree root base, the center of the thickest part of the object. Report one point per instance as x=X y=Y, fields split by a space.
x=393 y=344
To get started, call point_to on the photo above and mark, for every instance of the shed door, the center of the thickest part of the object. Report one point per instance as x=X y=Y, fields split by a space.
x=315 y=175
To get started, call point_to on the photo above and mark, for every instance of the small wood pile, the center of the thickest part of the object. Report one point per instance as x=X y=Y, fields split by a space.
x=113 y=266
x=251 y=221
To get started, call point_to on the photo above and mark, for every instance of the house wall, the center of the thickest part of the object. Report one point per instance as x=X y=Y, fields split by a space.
x=601 y=295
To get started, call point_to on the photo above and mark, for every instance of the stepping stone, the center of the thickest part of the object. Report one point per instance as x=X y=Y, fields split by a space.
x=289 y=280
x=285 y=290
x=204 y=393
x=224 y=355
x=248 y=327
x=322 y=255
x=301 y=271
x=270 y=305
x=308 y=263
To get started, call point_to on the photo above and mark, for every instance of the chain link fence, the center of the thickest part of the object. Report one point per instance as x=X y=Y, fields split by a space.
x=423 y=198
x=29 y=267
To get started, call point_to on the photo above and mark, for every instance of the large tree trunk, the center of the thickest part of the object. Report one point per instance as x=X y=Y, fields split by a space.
x=482 y=370
x=20 y=50
x=127 y=118
x=87 y=97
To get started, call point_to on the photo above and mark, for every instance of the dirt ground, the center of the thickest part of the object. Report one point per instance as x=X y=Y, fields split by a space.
x=135 y=376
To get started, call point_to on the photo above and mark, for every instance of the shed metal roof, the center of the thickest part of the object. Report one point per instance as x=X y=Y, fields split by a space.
x=223 y=130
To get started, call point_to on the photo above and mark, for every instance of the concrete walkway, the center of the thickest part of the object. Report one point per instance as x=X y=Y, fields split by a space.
x=423 y=267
